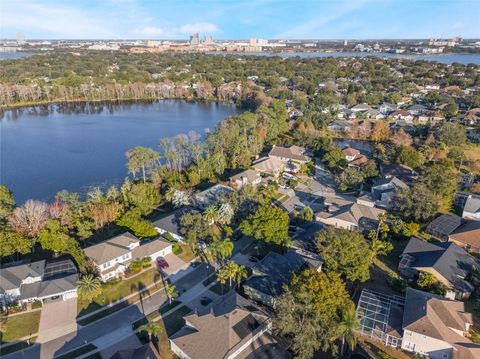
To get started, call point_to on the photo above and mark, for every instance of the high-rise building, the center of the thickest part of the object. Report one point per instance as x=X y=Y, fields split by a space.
x=208 y=40
x=258 y=42
x=345 y=43
x=20 y=36
x=195 y=39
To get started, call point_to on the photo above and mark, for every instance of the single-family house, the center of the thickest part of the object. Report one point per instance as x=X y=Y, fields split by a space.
x=447 y=262
x=169 y=225
x=384 y=189
x=224 y=330
x=113 y=256
x=289 y=154
x=41 y=280
x=403 y=125
x=339 y=126
x=417 y=109
x=361 y=107
x=374 y=114
x=444 y=225
x=269 y=165
x=349 y=215
x=467 y=235
x=245 y=178
x=402 y=172
x=402 y=115
x=422 y=323
x=354 y=157
x=211 y=196
x=387 y=108
x=437 y=327
x=274 y=271
x=471 y=209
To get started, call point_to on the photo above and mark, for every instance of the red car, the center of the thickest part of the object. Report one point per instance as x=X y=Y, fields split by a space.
x=162 y=263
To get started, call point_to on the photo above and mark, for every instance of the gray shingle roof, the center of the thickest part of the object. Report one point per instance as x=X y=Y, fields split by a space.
x=448 y=259
x=48 y=288
x=12 y=277
x=171 y=222
x=111 y=248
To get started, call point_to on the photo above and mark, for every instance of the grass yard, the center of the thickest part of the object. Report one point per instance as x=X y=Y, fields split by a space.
x=393 y=258
x=187 y=255
x=19 y=326
x=114 y=291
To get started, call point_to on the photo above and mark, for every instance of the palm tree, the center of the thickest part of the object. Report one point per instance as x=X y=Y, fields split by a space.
x=89 y=287
x=211 y=214
x=221 y=250
x=171 y=292
x=151 y=328
x=231 y=272
x=348 y=326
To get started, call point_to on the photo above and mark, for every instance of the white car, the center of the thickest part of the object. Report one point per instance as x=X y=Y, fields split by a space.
x=287 y=175
x=284 y=186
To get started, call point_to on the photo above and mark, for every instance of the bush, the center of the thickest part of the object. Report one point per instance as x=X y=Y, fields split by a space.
x=37 y=304
x=397 y=283
x=135 y=266
x=168 y=236
x=146 y=262
x=177 y=249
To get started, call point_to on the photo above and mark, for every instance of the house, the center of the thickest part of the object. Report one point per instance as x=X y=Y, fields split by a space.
x=41 y=280
x=384 y=189
x=274 y=271
x=403 y=125
x=354 y=157
x=387 y=108
x=113 y=256
x=467 y=235
x=402 y=172
x=362 y=107
x=349 y=215
x=245 y=178
x=417 y=109
x=211 y=196
x=339 y=126
x=268 y=165
x=422 y=323
x=447 y=262
x=224 y=330
x=374 y=114
x=402 y=115
x=170 y=224
x=437 y=327
x=471 y=209
x=289 y=154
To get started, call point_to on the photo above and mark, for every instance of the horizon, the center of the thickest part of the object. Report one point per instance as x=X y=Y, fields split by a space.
x=267 y=19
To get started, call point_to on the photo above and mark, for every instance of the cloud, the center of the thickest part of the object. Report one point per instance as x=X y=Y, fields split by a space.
x=150 y=31
x=203 y=27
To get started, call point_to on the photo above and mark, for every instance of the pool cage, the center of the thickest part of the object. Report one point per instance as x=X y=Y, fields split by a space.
x=376 y=312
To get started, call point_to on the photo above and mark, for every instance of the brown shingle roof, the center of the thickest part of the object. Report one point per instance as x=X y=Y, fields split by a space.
x=111 y=248
x=467 y=233
x=294 y=153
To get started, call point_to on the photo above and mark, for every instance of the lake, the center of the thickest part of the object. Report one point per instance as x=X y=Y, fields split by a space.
x=442 y=58
x=14 y=55
x=45 y=149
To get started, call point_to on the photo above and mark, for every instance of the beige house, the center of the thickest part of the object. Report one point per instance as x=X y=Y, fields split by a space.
x=113 y=256
x=289 y=154
x=269 y=165
x=245 y=178
x=224 y=330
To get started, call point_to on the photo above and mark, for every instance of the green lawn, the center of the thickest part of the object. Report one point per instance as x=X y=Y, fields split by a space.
x=114 y=291
x=19 y=326
x=187 y=255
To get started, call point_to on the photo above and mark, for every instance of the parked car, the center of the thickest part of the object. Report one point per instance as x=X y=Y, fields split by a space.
x=287 y=175
x=284 y=186
x=162 y=263
x=205 y=301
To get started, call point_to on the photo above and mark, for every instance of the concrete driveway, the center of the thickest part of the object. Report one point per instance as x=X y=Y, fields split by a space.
x=57 y=317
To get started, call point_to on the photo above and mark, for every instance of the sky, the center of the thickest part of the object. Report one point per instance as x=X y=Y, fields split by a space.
x=240 y=19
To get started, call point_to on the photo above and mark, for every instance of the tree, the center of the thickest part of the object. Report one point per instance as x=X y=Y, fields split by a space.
x=348 y=326
x=410 y=157
x=89 y=287
x=334 y=158
x=451 y=134
x=369 y=169
x=428 y=282
x=151 y=328
x=307 y=214
x=442 y=179
x=11 y=243
x=268 y=224
x=318 y=303
x=195 y=229
x=221 y=249
x=345 y=252
x=141 y=158
x=7 y=203
x=29 y=219
x=172 y=292
x=231 y=272
x=144 y=197
x=401 y=138
x=349 y=179
x=417 y=203
x=381 y=132
x=139 y=226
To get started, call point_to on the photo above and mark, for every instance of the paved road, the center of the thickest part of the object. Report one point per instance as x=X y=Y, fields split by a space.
x=115 y=326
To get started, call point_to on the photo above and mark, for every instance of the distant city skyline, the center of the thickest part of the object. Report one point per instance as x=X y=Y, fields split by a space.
x=269 y=19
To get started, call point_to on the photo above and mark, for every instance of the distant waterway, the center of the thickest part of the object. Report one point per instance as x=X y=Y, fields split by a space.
x=45 y=149
x=14 y=55
x=442 y=58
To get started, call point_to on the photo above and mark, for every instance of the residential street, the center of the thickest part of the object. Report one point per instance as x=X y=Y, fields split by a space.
x=115 y=326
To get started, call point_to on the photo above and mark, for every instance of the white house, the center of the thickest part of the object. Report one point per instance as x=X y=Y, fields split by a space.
x=113 y=256
x=471 y=210
x=245 y=178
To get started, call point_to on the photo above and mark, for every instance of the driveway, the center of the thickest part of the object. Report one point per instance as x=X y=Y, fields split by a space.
x=57 y=317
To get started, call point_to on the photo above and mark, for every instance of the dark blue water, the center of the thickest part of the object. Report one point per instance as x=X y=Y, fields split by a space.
x=46 y=149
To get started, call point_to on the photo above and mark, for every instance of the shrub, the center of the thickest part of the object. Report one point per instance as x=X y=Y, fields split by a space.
x=37 y=304
x=135 y=266
x=177 y=249
x=146 y=262
x=168 y=236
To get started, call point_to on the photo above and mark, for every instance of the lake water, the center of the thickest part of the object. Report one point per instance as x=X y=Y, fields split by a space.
x=14 y=55
x=49 y=148
x=442 y=58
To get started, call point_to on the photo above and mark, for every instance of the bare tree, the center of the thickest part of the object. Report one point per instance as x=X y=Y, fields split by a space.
x=29 y=219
